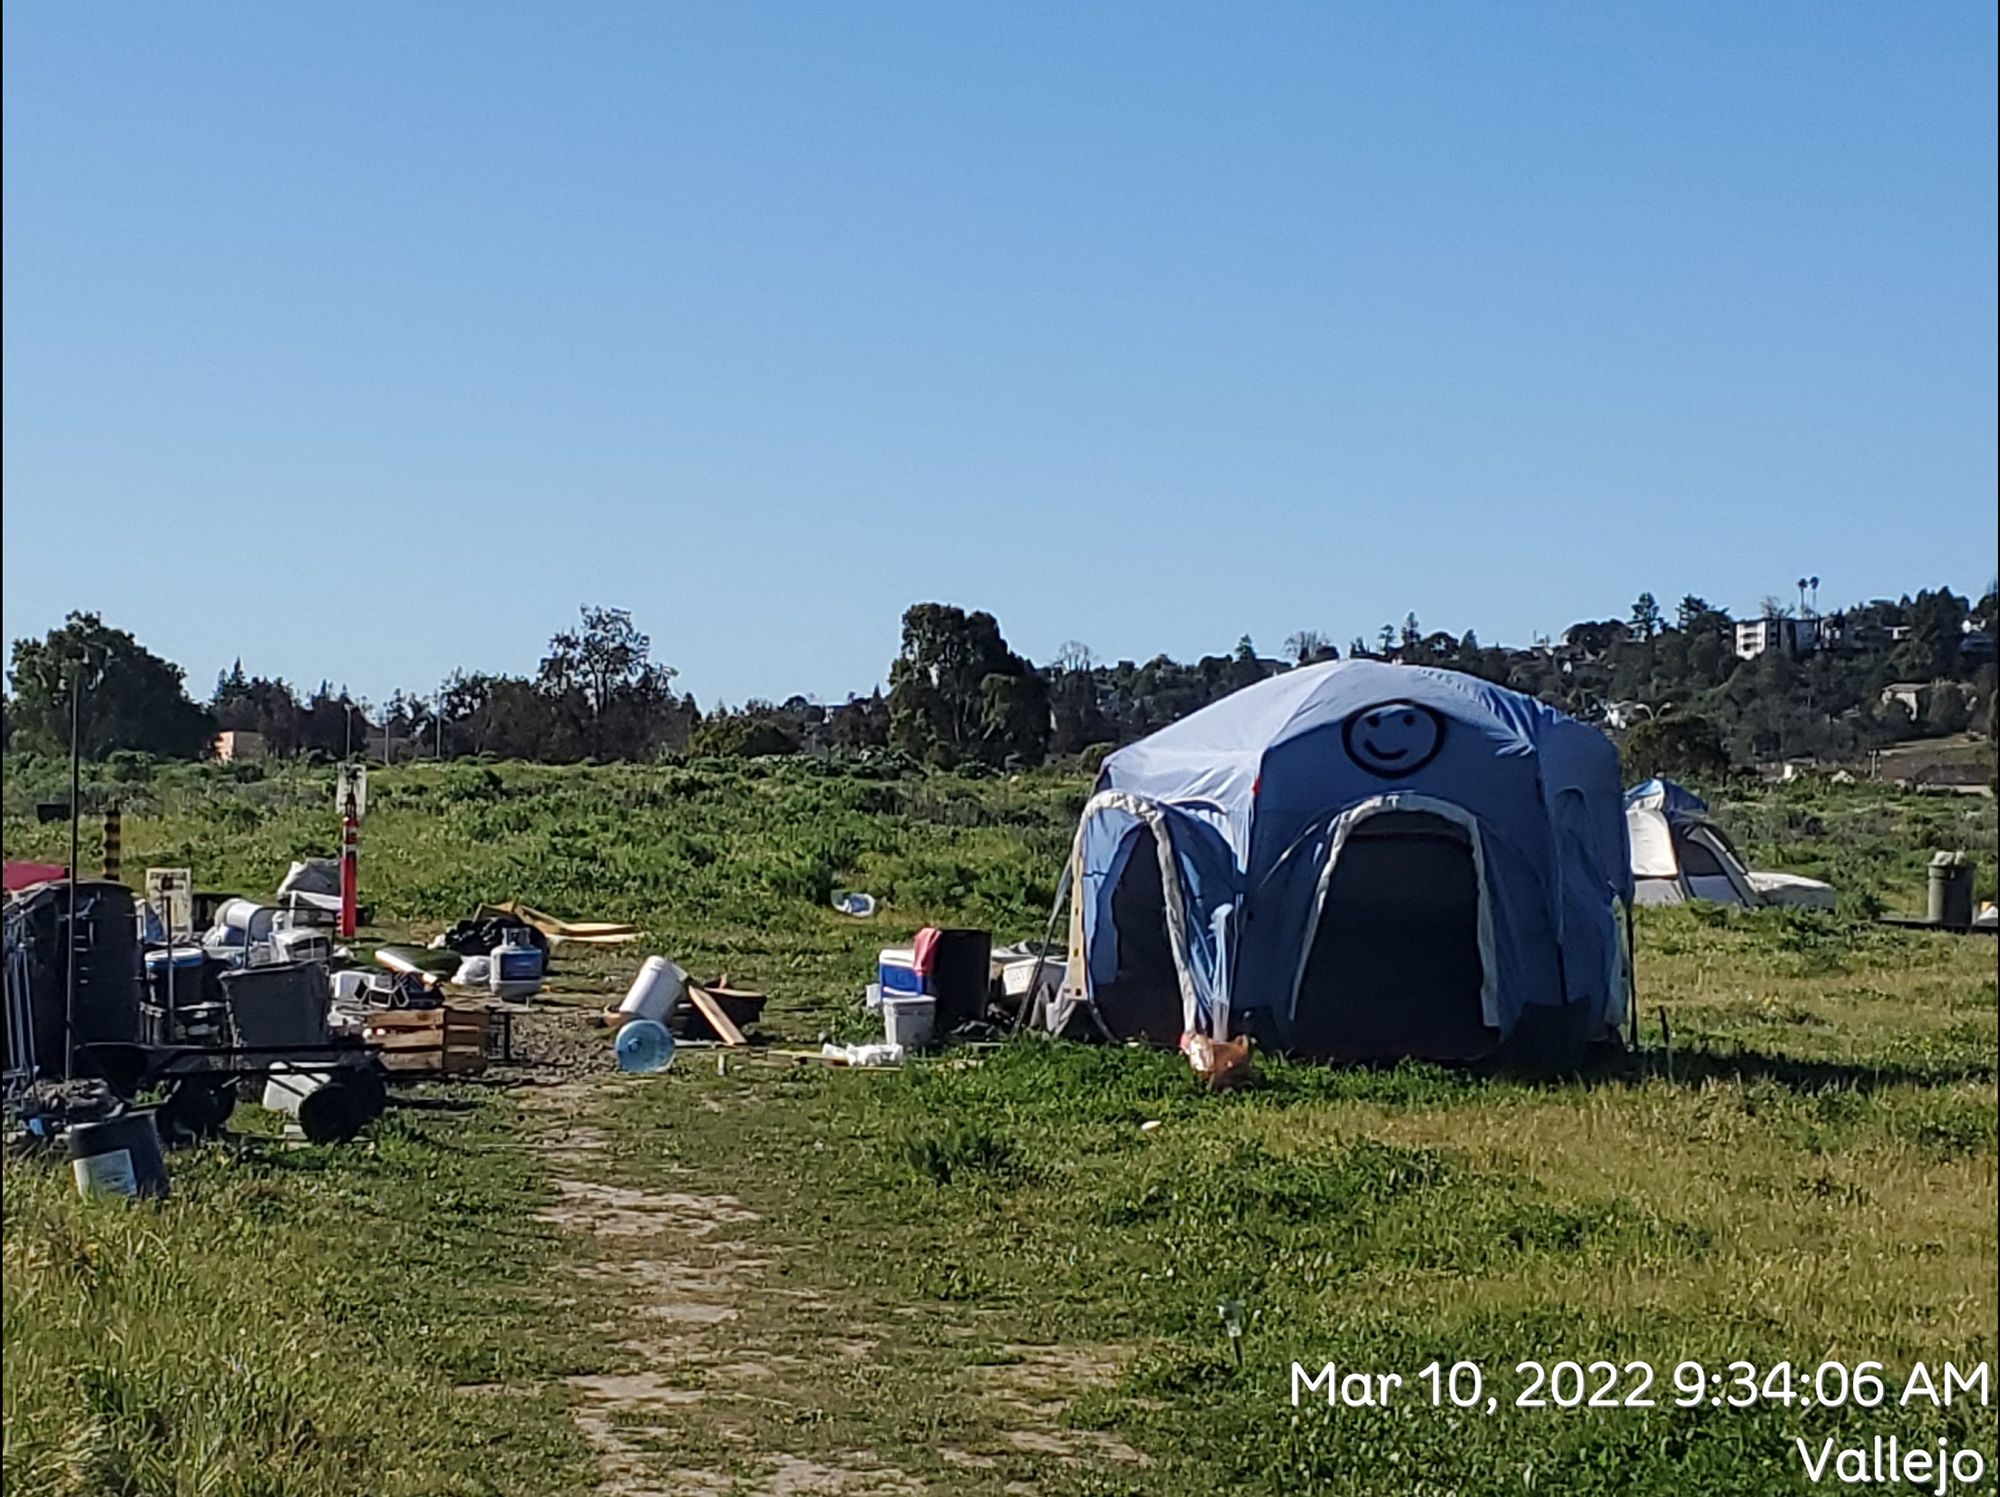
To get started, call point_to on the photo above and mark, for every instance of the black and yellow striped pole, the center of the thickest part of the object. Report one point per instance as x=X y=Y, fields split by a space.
x=114 y=851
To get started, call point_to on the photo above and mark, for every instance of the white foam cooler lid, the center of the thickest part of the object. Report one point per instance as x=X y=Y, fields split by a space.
x=1017 y=974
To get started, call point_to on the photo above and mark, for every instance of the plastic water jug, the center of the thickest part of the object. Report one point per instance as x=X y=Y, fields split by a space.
x=645 y=1045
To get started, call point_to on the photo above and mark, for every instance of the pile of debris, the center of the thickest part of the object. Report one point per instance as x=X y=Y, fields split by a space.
x=664 y=1007
x=136 y=1024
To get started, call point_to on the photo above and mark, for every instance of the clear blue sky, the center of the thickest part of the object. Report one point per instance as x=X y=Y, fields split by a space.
x=368 y=340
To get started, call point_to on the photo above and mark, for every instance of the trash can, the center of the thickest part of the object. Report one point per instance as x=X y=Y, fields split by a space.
x=1951 y=891
x=960 y=976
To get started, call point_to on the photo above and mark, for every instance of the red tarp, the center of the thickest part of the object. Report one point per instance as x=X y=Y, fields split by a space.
x=21 y=875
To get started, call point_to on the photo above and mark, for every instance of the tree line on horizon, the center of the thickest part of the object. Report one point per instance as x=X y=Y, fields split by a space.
x=959 y=694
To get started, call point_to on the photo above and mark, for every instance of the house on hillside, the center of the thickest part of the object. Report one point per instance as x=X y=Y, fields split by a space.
x=1788 y=636
x=1618 y=716
x=1837 y=631
x=239 y=746
x=1914 y=695
x=1975 y=641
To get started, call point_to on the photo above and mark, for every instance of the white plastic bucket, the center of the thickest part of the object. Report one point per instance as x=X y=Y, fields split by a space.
x=328 y=1105
x=654 y=991
x=287 y=1087
x=907 y=1020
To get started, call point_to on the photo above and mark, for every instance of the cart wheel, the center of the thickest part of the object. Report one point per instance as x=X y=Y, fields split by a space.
x=328 y=1116
x=371 y=1088
x=224 y=1093
x=195 y=1109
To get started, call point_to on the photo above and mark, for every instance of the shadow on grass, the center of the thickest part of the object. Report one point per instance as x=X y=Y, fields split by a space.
x=403 y=1103
x=1699 y=1067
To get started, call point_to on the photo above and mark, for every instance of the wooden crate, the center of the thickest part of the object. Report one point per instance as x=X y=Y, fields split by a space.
x=447 y=1041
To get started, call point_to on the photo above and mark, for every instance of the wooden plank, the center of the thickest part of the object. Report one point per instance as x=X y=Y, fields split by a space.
x=720 y=1022
x=432 y=1062
x=468 y=1020
x=405 y=1019
x=429 y=1041
x=413 y=1065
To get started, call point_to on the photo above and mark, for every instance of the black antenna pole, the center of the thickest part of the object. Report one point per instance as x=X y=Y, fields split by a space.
x=75 y=854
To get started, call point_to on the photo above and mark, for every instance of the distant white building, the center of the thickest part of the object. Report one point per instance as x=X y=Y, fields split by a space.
x=1914 y=695
x=1975 y=640
x=237 y=746
x=1786 y=635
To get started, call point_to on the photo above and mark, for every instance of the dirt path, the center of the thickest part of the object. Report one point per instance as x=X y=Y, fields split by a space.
x=676 y=1255
x=728 y=1362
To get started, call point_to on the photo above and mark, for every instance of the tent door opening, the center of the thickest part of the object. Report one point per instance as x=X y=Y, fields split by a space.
x=1395 y=967
x=1143 y=1000
x=1705 y=861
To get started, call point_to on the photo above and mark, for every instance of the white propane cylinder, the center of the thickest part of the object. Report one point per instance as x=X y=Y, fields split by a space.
x=655 y=991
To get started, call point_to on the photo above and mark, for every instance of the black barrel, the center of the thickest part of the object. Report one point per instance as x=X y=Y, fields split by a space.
x=119 y=1156
x=105 y=944
x=961 y=971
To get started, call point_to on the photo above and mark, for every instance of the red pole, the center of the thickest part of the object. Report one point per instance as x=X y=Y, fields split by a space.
x=350 y=874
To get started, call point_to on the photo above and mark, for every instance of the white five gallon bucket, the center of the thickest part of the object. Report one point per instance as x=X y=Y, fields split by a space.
x=908 y=1020
x=654 y=991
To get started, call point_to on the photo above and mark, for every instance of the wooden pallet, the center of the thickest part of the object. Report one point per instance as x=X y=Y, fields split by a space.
x=446 y=1041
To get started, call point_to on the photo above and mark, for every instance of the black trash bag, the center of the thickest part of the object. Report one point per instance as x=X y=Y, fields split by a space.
x=481 y=937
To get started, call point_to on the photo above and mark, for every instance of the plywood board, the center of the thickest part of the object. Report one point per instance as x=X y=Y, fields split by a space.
x=725 y=1028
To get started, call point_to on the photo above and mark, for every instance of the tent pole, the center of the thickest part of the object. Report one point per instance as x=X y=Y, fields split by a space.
x=1031 y=1005
x=1632 y=975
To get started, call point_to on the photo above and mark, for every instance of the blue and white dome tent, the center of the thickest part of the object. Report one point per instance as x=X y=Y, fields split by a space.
x=1356 y=860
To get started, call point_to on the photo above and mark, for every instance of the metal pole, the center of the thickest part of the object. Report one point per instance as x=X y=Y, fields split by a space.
x=75 y=853
x=1031 y=1001
x=173 y=1017
x=350 y=837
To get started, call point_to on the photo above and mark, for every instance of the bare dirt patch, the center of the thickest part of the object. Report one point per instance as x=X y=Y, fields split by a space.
x=716 y=1338
x=633 y=1390
x=861 y=1476
x=1032 y=1393
x=665 y=1252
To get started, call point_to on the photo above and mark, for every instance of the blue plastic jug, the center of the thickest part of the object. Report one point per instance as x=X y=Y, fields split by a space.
x=645 y=1045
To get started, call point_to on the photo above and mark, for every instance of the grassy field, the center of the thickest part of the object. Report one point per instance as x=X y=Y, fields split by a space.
x=1001 y=1270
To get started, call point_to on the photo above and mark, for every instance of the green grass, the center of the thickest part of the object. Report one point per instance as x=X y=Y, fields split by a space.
x=1826 y=1191
x=724 y=863
x=1870 y=843
x=296 y=1320
x=985 y=1269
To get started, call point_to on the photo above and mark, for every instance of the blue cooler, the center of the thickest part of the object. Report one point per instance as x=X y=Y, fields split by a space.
x=896 y=970
x=187 y=963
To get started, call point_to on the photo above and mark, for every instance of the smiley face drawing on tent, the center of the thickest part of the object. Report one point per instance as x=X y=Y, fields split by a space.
x=1394 y=739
